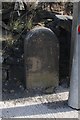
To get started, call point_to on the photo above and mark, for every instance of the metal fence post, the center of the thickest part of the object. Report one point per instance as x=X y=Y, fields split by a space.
x=74 y=95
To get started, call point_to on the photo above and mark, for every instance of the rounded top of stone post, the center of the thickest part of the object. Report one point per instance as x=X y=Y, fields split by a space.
x=37 y=30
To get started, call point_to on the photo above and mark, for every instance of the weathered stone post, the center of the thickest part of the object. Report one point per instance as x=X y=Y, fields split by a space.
x=74 y=96
x=41 y=58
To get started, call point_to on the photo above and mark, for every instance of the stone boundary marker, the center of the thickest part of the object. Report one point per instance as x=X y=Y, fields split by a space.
x=41 y=49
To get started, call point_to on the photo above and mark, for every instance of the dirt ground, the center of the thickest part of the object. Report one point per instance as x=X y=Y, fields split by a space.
x=14 y=89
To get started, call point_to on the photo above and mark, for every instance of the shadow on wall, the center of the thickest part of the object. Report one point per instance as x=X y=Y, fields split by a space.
x=64 y=61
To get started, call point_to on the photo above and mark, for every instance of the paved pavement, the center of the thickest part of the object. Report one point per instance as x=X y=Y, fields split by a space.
x=46 y=106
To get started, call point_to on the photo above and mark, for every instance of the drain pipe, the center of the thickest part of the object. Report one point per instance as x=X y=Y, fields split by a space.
x=74 y=94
